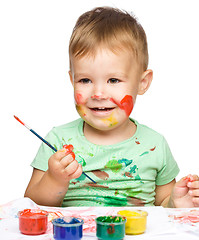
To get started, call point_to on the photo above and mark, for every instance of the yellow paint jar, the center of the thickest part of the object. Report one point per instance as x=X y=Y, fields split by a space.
x=136 y=221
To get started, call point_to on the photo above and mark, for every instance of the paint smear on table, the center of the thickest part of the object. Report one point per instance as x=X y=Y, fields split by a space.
x=89 y=220
x=190 y=216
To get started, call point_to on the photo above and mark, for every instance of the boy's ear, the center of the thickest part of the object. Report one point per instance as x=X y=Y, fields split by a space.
x=145 y=81
x=71 y=76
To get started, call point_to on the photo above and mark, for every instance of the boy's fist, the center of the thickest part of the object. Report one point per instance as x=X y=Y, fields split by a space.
x=62 y=166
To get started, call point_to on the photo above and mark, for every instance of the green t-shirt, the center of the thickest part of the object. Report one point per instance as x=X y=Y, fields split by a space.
x=126 y=173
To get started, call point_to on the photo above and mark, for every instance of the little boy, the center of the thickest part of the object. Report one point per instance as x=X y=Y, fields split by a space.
x=131 y=163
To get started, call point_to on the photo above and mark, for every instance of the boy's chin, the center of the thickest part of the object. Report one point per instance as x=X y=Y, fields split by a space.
x=101 y=126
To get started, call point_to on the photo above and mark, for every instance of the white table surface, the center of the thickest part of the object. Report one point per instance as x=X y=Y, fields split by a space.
x=160 y=224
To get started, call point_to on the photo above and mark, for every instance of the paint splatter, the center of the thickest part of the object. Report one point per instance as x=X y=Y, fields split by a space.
x=81 y=110
x=101 y=174
x=191 y=216
x=116 y=192
x=111 y=229
x=135 y=201
x=96 y=185
x=55 y=146
x=111 y=120
x=137 y=142
x=125 y=104
x=81 y=178
x=78 y=99
x=114 y=166
x=152 y=149
x=128 y=174
x=133 y=169
x=132 y=193
x=125 y=161
x=144 y=153
x=82 y=161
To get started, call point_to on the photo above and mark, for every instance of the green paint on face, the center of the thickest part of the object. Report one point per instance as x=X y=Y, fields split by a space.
x=90 y=154
x=114 y=166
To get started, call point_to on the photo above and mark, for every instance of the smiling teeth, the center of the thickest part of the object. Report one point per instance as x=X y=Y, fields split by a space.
x=102 y=109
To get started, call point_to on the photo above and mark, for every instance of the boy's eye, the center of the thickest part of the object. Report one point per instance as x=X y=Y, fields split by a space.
x=85 y=80
x=113 y=80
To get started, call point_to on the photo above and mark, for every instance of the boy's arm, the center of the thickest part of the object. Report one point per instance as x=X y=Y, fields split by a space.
x=163 y=193
x=44 y=191
x=49 y=188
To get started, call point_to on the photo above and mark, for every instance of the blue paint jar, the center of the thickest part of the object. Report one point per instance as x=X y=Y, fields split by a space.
x=69 y=228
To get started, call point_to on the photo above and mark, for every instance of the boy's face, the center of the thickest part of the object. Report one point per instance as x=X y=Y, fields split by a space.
x=105 y=87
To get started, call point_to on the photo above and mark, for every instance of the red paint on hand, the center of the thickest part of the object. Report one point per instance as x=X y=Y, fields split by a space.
x=189 y=178
x=73 y=155
x=69 y=148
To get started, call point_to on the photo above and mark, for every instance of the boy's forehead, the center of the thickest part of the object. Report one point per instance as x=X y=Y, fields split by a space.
x=106 y=61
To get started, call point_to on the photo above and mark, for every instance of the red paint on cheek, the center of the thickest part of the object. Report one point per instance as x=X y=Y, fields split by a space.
x=78 y=99
x=125 y=104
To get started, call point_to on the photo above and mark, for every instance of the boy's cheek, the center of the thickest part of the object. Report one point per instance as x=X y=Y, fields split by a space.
x=126 y=103
x=79 y=99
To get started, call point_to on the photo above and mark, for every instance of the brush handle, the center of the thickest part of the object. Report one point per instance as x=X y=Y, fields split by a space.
x=43 y=140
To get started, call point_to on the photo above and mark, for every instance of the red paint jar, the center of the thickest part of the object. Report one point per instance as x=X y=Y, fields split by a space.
x=33 y=221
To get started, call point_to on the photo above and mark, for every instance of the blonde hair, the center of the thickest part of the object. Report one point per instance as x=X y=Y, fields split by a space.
x=111 y=28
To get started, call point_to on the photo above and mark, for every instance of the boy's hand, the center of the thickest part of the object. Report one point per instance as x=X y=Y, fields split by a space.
x=62 y=166
x=186 y=192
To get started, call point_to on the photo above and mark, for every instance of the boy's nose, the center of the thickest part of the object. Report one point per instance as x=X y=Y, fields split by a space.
x=99 y=92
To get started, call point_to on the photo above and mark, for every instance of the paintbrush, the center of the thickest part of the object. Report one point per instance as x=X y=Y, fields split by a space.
x=47 y=143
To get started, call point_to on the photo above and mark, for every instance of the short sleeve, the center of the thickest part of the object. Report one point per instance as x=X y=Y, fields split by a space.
x=44 y=153
x=169 y=169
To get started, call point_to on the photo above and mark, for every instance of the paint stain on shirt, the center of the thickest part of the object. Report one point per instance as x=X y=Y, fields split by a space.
x=101 y=174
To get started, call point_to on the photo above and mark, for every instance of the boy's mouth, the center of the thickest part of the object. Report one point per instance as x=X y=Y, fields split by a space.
x=101 y=109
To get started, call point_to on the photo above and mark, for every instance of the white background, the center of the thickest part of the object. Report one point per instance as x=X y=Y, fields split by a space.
x=35 y=85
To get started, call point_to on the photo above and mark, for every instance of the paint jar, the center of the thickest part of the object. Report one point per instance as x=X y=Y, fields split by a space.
x=70 y=228
x=110 y=227
x=33 y=221
x=136 y=221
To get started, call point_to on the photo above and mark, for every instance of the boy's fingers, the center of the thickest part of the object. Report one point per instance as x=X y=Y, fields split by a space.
x=195 y=177
x=66 y=160
x=59 y=154
x=194 y=192
x=77 y=173
x=64 y=152
x=183 y=182
x=194 y=184
x=71 y=168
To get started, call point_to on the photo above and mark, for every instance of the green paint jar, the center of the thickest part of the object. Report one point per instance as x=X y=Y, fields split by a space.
x=110 y=227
